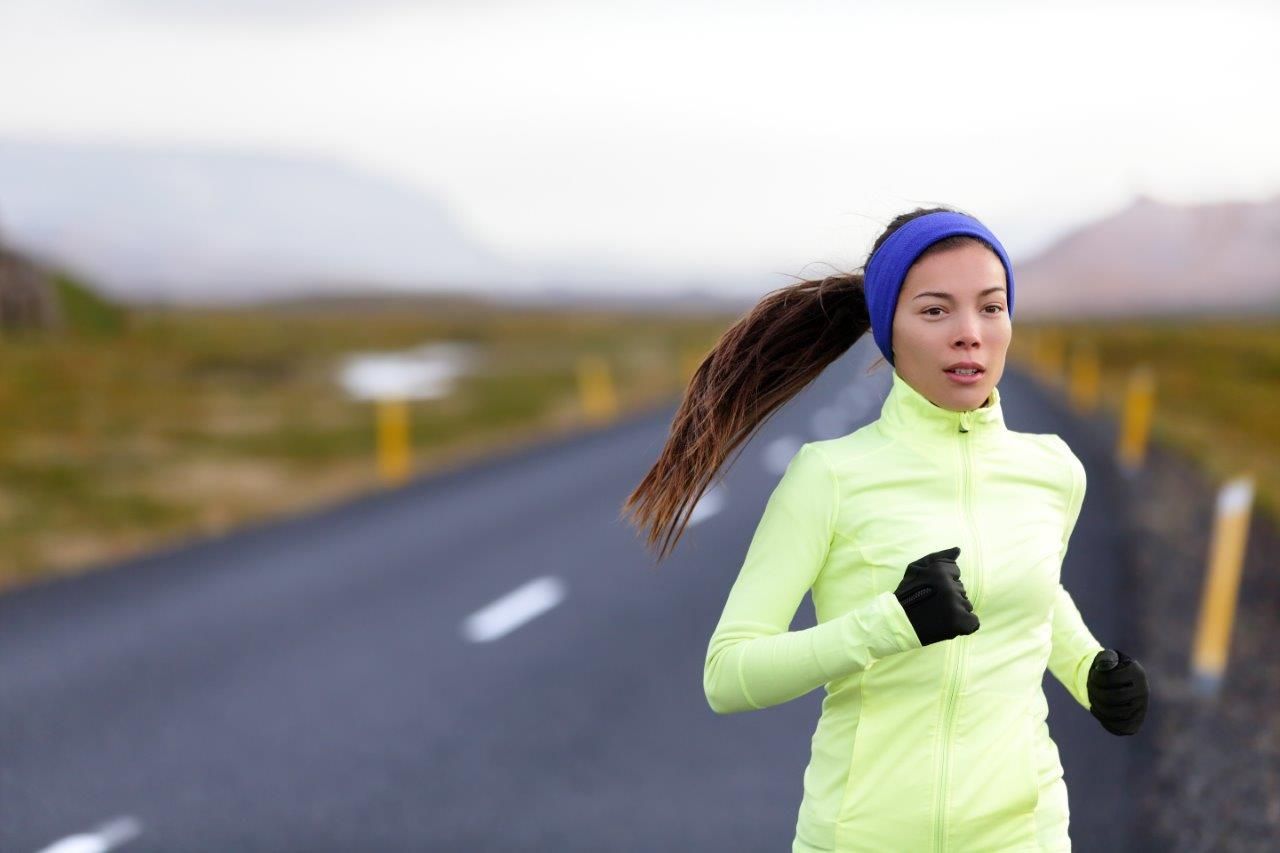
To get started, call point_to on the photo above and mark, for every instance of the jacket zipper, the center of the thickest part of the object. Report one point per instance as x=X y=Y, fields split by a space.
x=959 y=644
x=979 y=579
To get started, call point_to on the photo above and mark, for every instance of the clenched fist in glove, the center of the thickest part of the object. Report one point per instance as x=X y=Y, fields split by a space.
x=934 y=598
x=1117 y=692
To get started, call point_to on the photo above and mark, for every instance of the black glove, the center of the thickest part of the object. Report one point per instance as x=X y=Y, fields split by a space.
x=933 y=597
x=1117 y=692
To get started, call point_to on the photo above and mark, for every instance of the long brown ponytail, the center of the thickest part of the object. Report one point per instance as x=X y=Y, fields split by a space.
x=762 y=361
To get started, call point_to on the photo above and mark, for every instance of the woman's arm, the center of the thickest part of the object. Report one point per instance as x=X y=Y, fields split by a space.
x=1074 y=646
x=753 y=660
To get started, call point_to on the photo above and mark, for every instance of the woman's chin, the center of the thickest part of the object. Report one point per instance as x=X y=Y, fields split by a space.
x=965 y=398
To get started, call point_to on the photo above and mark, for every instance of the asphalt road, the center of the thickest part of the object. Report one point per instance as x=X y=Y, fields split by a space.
x=317 y=685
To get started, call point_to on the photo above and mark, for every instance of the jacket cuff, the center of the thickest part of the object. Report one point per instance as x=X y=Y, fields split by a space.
x=1081 y=683
x=864 y=635
x=899 y=634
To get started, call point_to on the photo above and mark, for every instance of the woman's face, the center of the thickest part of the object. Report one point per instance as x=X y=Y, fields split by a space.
x=953 y=307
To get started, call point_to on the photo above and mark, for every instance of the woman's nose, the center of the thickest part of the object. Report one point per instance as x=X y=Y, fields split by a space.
x=967 y=332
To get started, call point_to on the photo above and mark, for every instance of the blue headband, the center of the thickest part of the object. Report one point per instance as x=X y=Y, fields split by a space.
x=887 y=268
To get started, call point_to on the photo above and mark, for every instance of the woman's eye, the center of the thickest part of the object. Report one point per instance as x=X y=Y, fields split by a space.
x=927 y=311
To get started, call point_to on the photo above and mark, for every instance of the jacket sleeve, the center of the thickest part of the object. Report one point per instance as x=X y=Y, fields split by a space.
x=1074 y=646
x=753 y=660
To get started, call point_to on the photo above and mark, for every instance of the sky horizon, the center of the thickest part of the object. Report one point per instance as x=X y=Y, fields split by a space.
x=699 y=138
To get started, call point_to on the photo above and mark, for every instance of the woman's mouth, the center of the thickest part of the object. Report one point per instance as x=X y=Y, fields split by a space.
x=964 y=376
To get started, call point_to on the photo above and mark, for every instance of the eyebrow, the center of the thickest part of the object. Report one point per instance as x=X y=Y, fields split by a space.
x=941 y=295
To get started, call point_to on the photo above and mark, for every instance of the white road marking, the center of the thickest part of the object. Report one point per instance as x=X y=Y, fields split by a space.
x=828 y=422
x=778 y=453
x=514 y=609
x=111 y=834
x=860 y=401
x=711 y=502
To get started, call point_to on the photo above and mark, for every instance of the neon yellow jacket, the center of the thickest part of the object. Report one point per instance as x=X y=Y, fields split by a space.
x=918 y=748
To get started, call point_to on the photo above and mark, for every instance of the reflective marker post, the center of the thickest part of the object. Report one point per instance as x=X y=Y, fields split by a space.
x=393 y=440
x=1083 y=379
x=1221 y=586
x=595 y=389
x=690 y=360
x=1049 y=356
x=390 y=381
x=1139 y=402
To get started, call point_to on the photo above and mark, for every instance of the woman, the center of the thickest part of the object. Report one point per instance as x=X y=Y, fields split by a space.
x=932 y=540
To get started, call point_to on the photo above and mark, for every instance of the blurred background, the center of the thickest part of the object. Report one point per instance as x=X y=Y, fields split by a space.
x=259 y=259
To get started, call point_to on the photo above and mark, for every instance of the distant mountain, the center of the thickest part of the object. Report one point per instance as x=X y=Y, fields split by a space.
x=212 y=225
x=207 y=226
x=1154 y=258
x=28 y=298
x=690 y=301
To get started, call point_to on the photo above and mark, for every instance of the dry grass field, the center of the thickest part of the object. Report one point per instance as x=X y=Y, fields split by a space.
x=1217 y=388
x=171 y=424
x=136 y=429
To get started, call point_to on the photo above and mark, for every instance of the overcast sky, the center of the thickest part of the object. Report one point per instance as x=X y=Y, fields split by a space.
x=707 y=137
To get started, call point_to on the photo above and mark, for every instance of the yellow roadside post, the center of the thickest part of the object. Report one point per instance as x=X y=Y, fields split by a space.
x=596 y=389
x=1050 y=357
x=1024 y=347
x=689 y=364
x=393 y=440
x=390 y=381
x=1135 y=427
x=1221 y=585
x=1084 y=377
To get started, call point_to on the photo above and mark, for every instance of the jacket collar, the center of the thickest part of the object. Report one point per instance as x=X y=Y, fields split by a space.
x=907 y=412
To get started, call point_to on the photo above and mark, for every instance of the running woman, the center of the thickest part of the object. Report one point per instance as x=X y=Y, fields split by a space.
x=932 y=542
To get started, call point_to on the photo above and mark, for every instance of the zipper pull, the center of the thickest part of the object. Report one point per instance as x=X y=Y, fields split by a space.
x=964 y=421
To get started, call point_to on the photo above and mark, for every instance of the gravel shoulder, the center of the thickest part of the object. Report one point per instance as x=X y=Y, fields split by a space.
x=1208 y=769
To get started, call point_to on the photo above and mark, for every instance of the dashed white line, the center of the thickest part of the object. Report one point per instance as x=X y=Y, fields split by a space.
x=110 y=835
x=828 y=422
x=711 y=502
x=517 y=607
x=778 y=453
x=860 y=400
